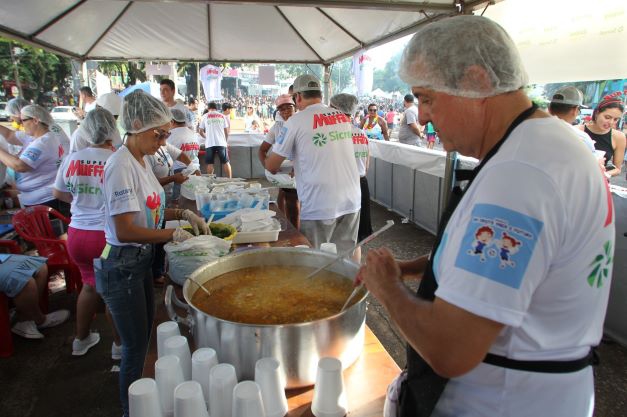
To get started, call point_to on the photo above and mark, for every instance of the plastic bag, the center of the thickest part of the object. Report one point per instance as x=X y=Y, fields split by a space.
x=185 y=257
x=281 y=180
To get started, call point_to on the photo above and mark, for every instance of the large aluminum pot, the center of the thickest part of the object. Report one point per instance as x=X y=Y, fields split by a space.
x=297 y=346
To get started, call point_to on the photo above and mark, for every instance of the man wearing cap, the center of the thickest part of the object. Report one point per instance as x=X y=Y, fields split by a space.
x=565 y=105
x=318 y=140
x=409 y=131
x=110 y=102
x=513 y=295
x=215 y=131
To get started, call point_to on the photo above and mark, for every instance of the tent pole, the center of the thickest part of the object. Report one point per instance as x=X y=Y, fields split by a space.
x=198 y=79
x=327 y=80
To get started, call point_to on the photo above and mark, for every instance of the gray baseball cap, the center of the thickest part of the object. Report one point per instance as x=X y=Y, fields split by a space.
x=306 y=82
x=568 y=95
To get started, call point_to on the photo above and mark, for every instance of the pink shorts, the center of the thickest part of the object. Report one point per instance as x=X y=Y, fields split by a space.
x=84 y=246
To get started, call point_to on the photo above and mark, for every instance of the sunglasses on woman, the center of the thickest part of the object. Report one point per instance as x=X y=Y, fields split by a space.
x=161 y=134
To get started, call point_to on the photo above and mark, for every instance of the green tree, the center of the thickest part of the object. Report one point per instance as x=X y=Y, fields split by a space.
x=387 y=79
x=39 y=71
x=130 y=71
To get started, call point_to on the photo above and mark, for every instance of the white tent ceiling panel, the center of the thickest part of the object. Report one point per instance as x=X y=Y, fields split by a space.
x=369 y=25
x=77 y=32
x=165 y=31
x=260 y=31
x=27 y=16
x=319 y=31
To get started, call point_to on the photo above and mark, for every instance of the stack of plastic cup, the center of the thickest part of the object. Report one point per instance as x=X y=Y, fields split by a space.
x=164 y=331
x=178 y=346
x=189 y=400
x=223 y=381
x=328 y=247
x=203 y=360
x=329 y=398
x=143 y=399
x=269 y=377
x=169 y=375
x=247 y=400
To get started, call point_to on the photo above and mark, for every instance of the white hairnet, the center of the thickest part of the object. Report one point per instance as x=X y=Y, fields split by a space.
x=178 y=115
x=15 y=105
x=466 y=56
x=37 y=112
x=111 y=102
x=142 y=111
x=346 y=103
x=100 y=125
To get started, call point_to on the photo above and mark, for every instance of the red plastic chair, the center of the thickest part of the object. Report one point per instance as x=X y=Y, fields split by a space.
x=33 y=225
x=6 y=340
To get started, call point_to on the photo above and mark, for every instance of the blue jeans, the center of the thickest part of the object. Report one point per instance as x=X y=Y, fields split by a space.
x=124 y=280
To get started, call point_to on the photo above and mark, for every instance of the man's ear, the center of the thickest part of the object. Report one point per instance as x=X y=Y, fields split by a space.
x=476 y=79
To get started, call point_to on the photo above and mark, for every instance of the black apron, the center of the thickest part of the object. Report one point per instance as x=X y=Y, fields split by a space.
x=422 y=389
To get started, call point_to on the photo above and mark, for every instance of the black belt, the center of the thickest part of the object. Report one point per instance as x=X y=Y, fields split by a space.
x=548 y=367
x=127 y=250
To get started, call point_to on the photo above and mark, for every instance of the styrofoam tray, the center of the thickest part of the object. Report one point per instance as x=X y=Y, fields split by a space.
x=257 y=237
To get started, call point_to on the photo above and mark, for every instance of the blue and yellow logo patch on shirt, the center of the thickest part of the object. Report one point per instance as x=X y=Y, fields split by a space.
x=498 y=244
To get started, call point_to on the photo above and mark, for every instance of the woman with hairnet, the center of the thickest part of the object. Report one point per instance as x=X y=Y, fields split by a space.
x=79 y=181
x=19 y=137
x=513 y=295
x=134 y=211
x=36 y=166
x=347 y=104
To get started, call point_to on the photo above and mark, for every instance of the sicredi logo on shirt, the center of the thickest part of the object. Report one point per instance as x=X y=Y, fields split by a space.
x=320 y=120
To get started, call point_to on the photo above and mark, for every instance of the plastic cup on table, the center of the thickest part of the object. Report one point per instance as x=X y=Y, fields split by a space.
x=247 y=400
x=203 y=360
x=164 y=331
x=178 y=346
x=143 y=399
x=169 y=375
x=189 y=400
x=329 y=399
x=269 y=377
x=223 y=381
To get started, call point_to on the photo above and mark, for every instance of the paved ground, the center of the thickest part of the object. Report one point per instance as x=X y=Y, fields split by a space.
x=42 y=379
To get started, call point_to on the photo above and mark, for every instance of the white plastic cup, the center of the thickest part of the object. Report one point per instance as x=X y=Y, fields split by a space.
x=169 y=375
x=328 y=247
x=178 y=346
x=269 y=376
x=329 y=399
x=223 y=381
x=143 y=399
x=247 y=400
x=203 y=360
x=164 y=331
x=189 y=400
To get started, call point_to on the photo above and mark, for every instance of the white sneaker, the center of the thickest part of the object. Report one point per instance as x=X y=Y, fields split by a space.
x=27 y=329
x=116 y=352
x=54 y=319
x=80 y=347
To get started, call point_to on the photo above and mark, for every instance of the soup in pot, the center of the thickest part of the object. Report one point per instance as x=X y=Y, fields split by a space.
x=274 y=295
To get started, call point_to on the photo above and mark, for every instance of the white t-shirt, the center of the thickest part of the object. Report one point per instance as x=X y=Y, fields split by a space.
x=90 y=106
x=360 y=145
x=130 y=187
x=530 y=246
x=405 y=134
x=55 y=130
x=214 y=125
x=82 y=175
x=249 y=119
x=185 y=140
x=319 y=142
x=44 y=156
x=162 y=163
x=583 y=136
x=274 y=131
x=80 y=140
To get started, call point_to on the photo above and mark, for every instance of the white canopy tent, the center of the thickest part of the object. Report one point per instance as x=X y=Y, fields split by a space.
x=320 y=31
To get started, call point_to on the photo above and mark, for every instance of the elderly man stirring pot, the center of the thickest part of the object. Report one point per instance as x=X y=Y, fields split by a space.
x=514 y=293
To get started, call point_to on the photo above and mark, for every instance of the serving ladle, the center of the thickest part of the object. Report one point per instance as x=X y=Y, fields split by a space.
x=200 y=286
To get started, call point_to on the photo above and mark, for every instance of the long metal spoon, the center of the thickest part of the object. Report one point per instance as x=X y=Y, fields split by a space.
x=353 y=294
x=367 y=239
x=200 y=286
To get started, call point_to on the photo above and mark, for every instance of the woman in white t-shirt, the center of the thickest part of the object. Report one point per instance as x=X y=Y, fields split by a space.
x=36 y=166
x=79 y=181
x=134 y=211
